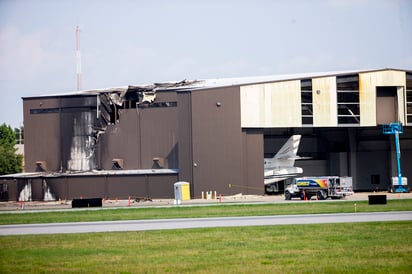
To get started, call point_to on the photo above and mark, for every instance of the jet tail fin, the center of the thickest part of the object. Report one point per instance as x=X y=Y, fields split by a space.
x=287 y=154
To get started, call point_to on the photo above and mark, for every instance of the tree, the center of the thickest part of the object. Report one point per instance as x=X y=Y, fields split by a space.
x=10 y=162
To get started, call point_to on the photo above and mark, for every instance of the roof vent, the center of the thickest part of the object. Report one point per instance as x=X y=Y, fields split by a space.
x=117 y=163
x=41 y=166
x=158 y=162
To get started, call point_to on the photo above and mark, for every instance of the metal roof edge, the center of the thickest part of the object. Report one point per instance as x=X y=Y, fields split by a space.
x=90 y=173
x=243 y=81
x=201 y=84
x=90 y=92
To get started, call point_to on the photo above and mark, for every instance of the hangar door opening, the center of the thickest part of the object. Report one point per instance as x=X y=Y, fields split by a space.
x=386 y=105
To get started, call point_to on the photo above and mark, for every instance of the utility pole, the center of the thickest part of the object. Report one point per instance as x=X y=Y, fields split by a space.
x=78 y=60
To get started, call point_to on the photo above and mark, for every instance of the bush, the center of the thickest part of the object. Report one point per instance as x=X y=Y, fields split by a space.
x=10 y=162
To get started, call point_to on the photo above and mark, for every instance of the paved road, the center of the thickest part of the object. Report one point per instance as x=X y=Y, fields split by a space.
x=140 y=225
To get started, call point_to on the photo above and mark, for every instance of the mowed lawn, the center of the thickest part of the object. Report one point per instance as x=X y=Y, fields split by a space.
x=381 y=247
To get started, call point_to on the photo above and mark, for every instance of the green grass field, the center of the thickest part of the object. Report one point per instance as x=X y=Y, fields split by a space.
x=381 y=247
x=296 y=207
x=325 y=248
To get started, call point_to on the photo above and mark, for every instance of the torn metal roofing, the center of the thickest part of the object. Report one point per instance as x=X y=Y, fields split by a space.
x=209 y=83
x=123 y=90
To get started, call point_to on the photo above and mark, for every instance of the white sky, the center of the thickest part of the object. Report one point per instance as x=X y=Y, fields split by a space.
x=137 y=42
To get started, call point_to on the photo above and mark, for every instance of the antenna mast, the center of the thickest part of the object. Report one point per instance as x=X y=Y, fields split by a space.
x=79 y=60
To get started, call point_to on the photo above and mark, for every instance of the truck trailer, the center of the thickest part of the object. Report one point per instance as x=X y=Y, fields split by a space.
x=322 y=188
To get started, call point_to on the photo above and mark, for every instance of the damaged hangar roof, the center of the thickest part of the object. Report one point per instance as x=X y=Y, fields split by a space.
x=123 y=90
x=208 y=83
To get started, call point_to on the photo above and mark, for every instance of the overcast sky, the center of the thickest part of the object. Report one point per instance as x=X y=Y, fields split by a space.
x=138 y=42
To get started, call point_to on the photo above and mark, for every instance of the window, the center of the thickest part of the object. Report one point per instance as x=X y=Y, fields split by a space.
x=409 y=98
x=158 y=105
x=348 y=99
x=44 y=110
x=306 y=101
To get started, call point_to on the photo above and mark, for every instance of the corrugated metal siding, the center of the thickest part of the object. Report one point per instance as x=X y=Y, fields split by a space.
x=121 y=141
x=159 y=130
x=49 y=128
x=185 y=138
x=216 y=139
x=109 y=187
x=271 y=105
x=252 y=161
x=141 y=135
x=42 y=134
x=367 y=93
x=12 y=188
x=401 y=93
x=324 y=102
x=221 y=152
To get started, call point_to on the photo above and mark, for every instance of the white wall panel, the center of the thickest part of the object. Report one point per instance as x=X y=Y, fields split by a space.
x=252 y=105
x=271 y=105
x=367 y=93
x=279 y=104
x=324 y=102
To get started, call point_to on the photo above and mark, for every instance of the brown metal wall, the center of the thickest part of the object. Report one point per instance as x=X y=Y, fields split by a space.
x=158 y=133
x=48 y=135
x=85 y=187
x=42 y=134
x=185 y=138
x=120 y=141
x=141 y=135
x=124 y=186
x=109 y=187
x=12 y=187
x=253 y=152
x=59 y=187
x=74 y=108
x=161 y=186
x=217 y=145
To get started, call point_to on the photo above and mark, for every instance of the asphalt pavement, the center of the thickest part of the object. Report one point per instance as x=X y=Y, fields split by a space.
x=162 y=224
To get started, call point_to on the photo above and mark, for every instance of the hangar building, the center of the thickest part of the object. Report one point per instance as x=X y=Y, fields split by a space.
x=139 y=140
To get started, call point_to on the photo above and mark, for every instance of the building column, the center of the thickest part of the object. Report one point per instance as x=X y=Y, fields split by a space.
x=352 y=164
